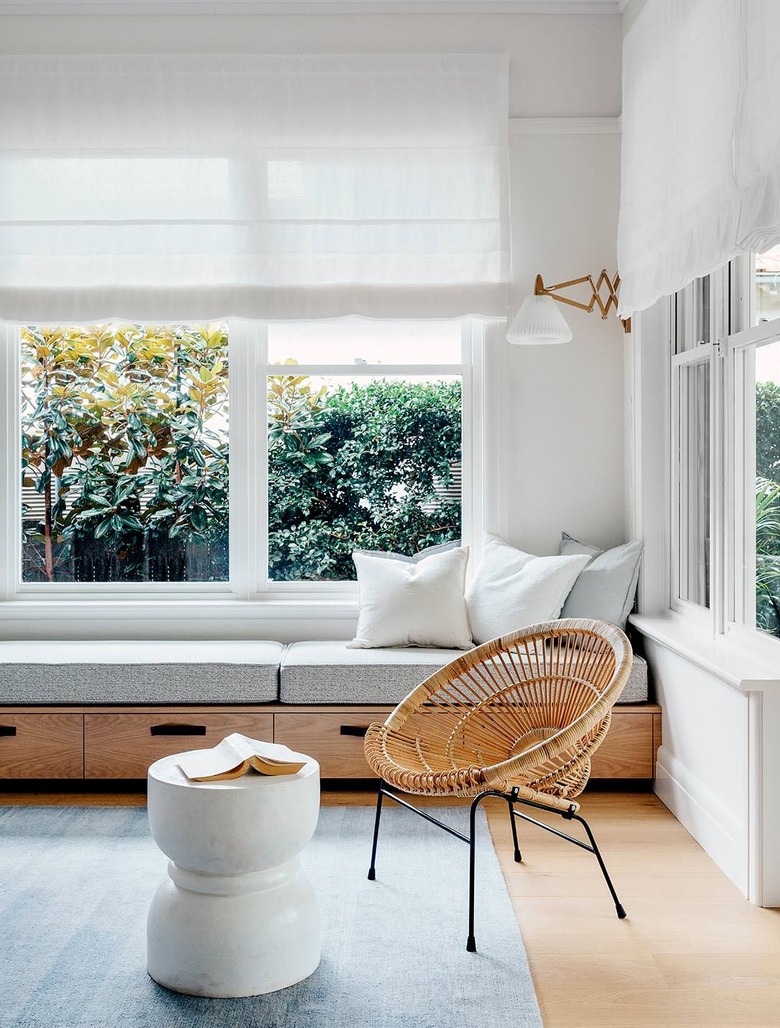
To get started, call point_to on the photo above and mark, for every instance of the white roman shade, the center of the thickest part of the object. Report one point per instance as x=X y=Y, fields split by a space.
x=701 y=142
x=275 y=187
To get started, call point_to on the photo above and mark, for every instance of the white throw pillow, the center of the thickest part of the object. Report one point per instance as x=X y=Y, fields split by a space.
x=513 y=589
x=412 y=604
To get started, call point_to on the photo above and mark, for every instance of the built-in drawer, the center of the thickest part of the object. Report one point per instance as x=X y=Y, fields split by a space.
x=123 y=745
x=628 y=751
x=335 y=739
x=41 y=745
x=332 y=738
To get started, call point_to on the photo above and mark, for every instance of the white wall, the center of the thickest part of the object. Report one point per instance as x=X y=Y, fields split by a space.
x=560 y=67
x=702 y=772
x=558 y=411
x=565 y=426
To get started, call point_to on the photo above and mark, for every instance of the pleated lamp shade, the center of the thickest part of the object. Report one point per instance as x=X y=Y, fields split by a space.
x=538 y=322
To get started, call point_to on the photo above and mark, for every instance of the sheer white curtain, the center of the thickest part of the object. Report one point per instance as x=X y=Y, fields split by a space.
x=701 y=142
x=164 y=188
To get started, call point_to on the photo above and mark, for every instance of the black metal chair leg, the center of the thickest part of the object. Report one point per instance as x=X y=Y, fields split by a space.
x=372 y=868
x=471 y=942
x=513 y=822
x=621 y=913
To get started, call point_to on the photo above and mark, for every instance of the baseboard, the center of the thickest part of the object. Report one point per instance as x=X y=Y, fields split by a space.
x=717 y=830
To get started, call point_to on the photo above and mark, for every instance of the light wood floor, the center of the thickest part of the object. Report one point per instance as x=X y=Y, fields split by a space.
x=693 y=953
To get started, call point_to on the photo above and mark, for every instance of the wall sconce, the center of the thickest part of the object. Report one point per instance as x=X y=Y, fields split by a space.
x=540 y=322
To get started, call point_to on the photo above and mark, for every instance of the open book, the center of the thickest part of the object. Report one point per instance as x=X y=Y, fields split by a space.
x=235 y=755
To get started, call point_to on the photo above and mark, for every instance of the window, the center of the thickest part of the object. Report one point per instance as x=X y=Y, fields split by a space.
x=693 y=328
x=725 y=430
x=240 y=457
x=364 y=443
x=692 y=479
x=124 y=453
x=755 y=364
x=766 y=293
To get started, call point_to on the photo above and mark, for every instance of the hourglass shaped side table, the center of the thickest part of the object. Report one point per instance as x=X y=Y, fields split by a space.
x=235 y=916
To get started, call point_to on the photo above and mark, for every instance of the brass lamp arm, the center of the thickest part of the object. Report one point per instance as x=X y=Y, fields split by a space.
x=540 y=289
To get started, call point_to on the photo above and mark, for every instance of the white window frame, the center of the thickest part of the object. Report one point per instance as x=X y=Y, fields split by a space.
x=702 y=356
x=732 y=347
x=248 y=581
x=740 y=351
x=696 y=352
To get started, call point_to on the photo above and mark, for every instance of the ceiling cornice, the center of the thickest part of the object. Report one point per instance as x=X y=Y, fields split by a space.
x=216 y=7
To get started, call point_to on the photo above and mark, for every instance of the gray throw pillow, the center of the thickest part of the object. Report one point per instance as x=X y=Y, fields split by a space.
x=606 y=586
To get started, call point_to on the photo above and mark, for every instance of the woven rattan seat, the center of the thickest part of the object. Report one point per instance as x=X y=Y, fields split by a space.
x=518 y=717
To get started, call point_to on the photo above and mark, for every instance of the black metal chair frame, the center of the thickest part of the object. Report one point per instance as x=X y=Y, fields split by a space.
x=512 y=799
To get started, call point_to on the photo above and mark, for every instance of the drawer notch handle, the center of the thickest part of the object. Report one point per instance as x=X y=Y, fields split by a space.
x=7 y=729
x=177 y=729
x=356 y=730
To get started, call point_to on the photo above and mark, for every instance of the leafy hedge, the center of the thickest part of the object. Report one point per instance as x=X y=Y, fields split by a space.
x=124 y=435
x=359 y=467
x=768 y=507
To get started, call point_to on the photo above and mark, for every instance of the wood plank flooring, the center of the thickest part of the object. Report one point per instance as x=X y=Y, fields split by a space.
x=693 y=953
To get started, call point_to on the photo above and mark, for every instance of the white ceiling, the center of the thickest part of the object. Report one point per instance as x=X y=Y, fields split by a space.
x=146 y=7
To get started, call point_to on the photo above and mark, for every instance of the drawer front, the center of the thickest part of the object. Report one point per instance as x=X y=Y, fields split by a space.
x=41 y=745
x=335 y=740
x=123 y=745
x=628 y=750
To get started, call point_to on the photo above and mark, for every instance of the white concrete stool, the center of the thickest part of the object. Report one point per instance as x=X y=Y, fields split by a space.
x=235 y=917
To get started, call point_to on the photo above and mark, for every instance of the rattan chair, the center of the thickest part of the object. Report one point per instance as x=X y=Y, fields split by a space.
x=517 y=718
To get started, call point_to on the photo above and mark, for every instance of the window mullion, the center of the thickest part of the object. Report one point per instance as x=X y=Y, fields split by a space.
x=10 y=500
x=247 y=462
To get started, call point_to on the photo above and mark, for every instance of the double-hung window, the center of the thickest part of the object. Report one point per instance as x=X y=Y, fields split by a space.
x=692 y=404
x=753 y=447
x=725 y=433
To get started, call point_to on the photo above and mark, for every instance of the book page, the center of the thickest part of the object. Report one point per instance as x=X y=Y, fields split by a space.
x=208 y=763
x=234 y=754
x=273 y=752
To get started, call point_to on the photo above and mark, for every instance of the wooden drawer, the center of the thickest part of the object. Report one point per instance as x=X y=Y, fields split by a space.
x=629 y=748
x=334 y=739
x=41 y=745
x=123 y=745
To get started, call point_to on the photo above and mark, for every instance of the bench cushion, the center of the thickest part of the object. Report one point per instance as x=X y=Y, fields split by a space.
x=328 y=672
x=139 y=672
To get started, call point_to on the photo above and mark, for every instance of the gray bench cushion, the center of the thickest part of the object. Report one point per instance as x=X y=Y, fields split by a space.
x=328 y=672
x=139 y=672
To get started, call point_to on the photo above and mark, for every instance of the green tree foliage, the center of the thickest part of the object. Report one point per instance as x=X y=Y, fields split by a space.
x=768 y=556
x=768 y=507
x=361 y=467
x=121 y=434
x=768 y=430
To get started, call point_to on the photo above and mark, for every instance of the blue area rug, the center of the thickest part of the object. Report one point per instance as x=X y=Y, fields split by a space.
x=75 y=886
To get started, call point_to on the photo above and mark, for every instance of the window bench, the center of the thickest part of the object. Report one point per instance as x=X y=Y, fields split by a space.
x=106 y=710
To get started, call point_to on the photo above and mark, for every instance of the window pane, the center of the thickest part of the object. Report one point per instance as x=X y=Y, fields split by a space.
x=767 y=286
x=360 y=463
x=124 y=453
x=361 y=341
x=694 y=484
x=692 y=315
x=766 y=529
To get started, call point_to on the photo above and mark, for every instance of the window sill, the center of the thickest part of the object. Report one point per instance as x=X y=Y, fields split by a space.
x=747 y=664
x=176 y=609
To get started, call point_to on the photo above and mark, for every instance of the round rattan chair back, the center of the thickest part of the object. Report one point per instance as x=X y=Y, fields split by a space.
x=526 y=710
